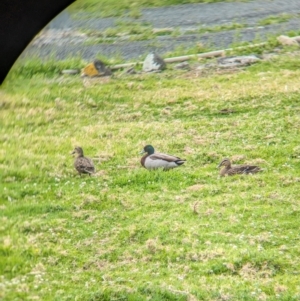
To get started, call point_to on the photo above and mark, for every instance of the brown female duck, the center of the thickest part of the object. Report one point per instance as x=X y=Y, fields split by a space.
x=82 y=163
x=230 y=170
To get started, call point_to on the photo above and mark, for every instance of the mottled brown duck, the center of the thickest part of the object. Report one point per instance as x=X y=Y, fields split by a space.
x=153 y=160
x=230 y=170
x=83 y=164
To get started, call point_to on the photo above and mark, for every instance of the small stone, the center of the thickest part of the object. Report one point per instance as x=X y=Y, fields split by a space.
x=153 y=63
x=96 y=69
x=237 y=61
x=131 y=70
x=183 y=65
x=297 y=39
x=287 y=41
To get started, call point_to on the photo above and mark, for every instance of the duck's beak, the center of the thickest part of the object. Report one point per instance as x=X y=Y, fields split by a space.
x=142 y=152
x=219 y=165
x=73 y=152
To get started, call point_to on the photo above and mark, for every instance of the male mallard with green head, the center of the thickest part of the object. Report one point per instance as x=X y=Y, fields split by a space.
x=152 y=160
x=82 y=163
x=238 y=169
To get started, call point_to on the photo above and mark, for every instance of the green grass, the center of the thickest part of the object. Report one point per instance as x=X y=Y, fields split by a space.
x=131 y=234
x=275 y=19
x=132 y=31
x=220 y=28
x=109 y=8
x=135 y=31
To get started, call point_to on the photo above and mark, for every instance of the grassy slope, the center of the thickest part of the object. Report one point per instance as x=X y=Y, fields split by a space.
x=129 y=234
x=116 y=8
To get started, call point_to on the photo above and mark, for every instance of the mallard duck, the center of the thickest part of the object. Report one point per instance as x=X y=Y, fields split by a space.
x=153 y=160
x=238 y=169
x=82 y=163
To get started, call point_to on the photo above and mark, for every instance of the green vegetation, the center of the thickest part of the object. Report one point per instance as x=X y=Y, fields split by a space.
x=109 y=8
x=219 y=28
x=136 y=31
x=132 y=31
x=275 y=19
x=255 y=47
x=131 y=234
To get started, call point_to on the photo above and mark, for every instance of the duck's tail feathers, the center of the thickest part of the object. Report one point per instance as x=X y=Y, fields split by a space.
x=252 y=169
x=180 y=161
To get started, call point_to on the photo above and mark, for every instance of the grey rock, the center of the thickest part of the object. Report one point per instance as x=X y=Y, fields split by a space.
x=96 y=69
x=102 y=69
x=183 y=65
x=285 y=40
x=129 y=71
x=153 y=63
x=237 y=61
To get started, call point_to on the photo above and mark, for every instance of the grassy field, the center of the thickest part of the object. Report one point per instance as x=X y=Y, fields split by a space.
x=130 y=234
x=109 y=8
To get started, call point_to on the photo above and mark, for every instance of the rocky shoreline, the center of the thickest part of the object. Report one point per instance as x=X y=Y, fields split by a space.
x=67 y=36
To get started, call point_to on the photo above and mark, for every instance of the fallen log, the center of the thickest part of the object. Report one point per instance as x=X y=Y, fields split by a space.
x=183 y=58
